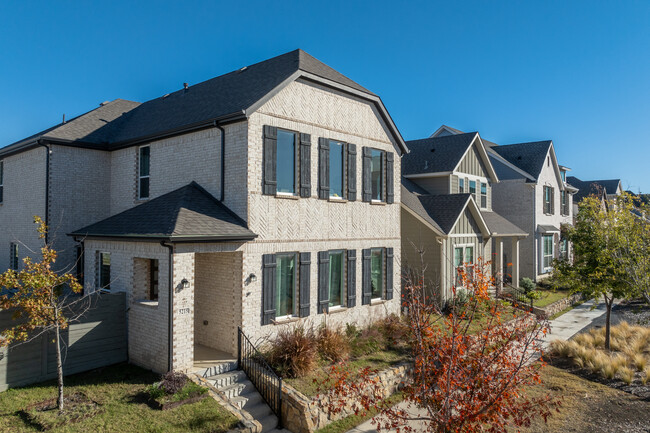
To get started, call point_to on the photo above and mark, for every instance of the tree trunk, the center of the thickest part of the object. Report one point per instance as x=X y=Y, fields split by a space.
x=608 y=325
x=59 y=368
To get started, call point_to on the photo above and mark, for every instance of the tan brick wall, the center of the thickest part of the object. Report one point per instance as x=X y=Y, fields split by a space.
x=24 y=197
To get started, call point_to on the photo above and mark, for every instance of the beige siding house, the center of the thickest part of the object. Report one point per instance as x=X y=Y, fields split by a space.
x=258 y=199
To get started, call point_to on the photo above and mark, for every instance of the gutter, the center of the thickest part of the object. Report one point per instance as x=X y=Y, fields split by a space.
x=48 y=150
x=170 y=302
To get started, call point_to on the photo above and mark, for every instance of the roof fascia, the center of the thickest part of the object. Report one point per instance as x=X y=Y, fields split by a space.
x=476 y=213
x=423 y=221
x=425 y=175
x=343 y=88
x=484 y=156
x=156 y=238
x=510 y=165
x=443 y=128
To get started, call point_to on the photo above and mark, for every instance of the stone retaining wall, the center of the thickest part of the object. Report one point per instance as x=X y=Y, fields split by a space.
x=302 y=414
x=557 y=306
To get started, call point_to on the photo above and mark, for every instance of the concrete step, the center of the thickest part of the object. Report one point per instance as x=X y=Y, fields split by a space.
x=226 y=379
x=243 y=388
x=222 y=367
x=249 y=402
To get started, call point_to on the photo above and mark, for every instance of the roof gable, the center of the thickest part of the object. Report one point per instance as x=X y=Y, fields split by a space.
x=529 y=157
x=187 y=214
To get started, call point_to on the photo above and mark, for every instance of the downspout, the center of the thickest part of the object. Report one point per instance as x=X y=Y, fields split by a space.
x=170 y=321
x=223 y=159
x=48 y=150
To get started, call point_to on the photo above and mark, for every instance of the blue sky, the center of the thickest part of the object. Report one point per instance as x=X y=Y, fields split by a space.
x=575 y=72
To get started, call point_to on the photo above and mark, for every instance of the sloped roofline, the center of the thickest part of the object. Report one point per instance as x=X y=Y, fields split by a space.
x=510 y=165
x=483 y=152
x=476 y=213
x=422 y=220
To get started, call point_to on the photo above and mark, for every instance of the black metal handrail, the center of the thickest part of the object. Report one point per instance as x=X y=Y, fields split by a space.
x=260 y=373
x=518 y=295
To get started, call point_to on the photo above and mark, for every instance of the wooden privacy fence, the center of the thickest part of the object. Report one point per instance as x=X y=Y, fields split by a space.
x=96 y=340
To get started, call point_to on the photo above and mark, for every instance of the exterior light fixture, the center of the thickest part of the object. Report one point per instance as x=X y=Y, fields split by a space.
x=185 y=284
x=252 y=278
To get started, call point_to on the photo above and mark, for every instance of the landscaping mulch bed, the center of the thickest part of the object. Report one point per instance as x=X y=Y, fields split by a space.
x=45 y=414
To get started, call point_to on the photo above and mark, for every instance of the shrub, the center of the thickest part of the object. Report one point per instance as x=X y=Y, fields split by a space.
x=173 y=381
x=293 y=352
x=332 y=344
x=351 y=330
x=646 y=376
x=370 y=340
x=394 y=329
x=527 y=284
x=627 y=375
x=639 y=360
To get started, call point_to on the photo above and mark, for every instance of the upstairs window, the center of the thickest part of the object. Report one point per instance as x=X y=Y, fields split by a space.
x=13 y=256
x=548 y=200
x=104 y=272
x=483 y=195
x=472 y=189
x=563 y=175
x=564 y=205
x=1 y=181
x=143 y=173
x=461 y=186
x=377 y=174
x=337 y=174
x=286 y=162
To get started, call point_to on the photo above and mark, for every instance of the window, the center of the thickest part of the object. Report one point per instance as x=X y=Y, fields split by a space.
x=463 y=259
x=564 y=207
x=153 y=280
x=472 y=189
x=547 y=252
x=461 y=186
x=105 y=271
x=143 y=173
x=285 y=283
x=337 y=165
x=483 y=195
x=563 y=175
x=2 y=163
x=377 y=272
x=377 y=174
x=13 y=256
x=337 y=278
x=286 y=162
x=564 y=248
x=548 y=200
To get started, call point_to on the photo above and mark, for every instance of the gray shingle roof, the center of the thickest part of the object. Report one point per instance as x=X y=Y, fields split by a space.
x=610 y=185
x=529 y=157
x=593 y=187
x=441 y=211
x=499 y=226
x=411 y=199
x=226 y=95
x=187 y=214
x=437 y=154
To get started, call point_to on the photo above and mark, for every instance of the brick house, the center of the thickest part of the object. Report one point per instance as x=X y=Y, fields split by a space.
x=258 y=199
x=448 y=214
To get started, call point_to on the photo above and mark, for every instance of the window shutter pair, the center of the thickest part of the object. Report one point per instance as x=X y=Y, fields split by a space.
x=366 y=276
x=389 y=163
x=303 y=162
x=269 y=288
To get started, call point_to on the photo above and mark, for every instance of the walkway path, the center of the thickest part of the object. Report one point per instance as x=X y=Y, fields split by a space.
x=564 y=327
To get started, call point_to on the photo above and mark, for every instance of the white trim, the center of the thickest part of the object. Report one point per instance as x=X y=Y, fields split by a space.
x=444 y=128
x=546 y=270
x=426 y=175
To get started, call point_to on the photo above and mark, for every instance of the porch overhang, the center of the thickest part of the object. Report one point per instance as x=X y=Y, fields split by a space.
x=544 y=229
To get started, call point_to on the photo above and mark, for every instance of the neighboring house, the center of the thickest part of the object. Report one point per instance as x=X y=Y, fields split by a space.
x=448 y=220
x=258 y=199
x=604 y=190
x=532 y=193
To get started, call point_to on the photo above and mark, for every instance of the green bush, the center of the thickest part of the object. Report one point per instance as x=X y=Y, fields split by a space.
x=527 y=284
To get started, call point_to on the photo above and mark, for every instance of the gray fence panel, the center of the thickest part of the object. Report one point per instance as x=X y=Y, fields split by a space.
x=98 y=339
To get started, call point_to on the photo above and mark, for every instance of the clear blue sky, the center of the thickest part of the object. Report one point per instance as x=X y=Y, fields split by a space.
x=576 y=72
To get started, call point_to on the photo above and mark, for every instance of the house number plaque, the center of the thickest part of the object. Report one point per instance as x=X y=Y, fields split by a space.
x=184 y=311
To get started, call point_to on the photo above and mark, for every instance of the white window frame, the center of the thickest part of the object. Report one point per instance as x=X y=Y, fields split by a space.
x=464 y=248
x=296 y=284
x=140 y=176
x=547 y=269
x=551 y=210
x=343 y=278
x=383 y=274
x=461 y=185
x=382 y=174
x=344 y=148
x=483 y=195
x=296 y=162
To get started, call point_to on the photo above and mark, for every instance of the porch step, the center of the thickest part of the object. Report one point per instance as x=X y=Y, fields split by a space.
x=236 y=387
x=220 y=368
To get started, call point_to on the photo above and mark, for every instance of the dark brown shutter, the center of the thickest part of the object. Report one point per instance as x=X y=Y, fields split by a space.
x=352 y=278
x=305 y=165
x=323 y=168
x=366 y=289
x=552 y=200
x=323 y=282
x=270 y=184
x=268 y=288
x=352 y=172
x=305 y=264
x=390 y=174
x=389 y=273
x=367 y=181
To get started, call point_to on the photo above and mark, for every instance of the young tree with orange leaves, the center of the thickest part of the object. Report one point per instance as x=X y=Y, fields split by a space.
x=470 y=366
x=40 y=298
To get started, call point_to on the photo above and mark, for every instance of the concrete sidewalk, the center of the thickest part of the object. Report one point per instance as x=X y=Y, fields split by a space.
x=564 y=327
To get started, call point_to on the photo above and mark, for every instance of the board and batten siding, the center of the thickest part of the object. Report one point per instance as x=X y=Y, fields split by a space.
x=434 y=185
x=97 y=340
x=473 y=164
x=416 y=236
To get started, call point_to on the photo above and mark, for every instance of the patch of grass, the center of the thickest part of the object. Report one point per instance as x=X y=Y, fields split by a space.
x=120 y=390
x=350 y=422
x=547 y=297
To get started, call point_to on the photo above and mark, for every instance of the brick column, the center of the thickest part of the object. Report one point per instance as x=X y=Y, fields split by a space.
x=515 y=262
x=183 y=308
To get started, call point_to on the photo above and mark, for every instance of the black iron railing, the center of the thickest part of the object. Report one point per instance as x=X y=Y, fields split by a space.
x=518 y=295
x=260 y=373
